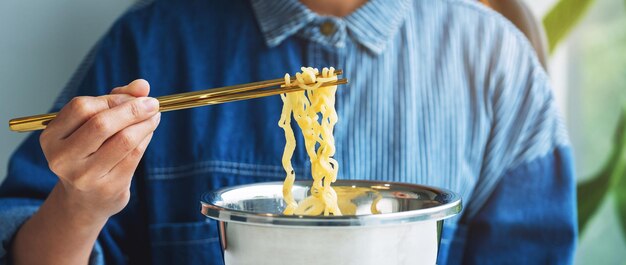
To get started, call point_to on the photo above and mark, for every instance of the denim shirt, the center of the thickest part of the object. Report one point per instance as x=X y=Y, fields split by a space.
x=443 y=93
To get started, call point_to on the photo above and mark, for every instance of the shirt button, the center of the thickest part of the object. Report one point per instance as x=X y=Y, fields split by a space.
x=327 y=28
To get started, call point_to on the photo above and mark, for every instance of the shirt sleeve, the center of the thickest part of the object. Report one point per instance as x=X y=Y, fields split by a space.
x=530 y=216
x=523 y=207
x=29 y=181
x=25 y=188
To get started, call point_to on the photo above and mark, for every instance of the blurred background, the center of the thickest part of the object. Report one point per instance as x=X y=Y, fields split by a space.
x=42 y=44
x=44 y=41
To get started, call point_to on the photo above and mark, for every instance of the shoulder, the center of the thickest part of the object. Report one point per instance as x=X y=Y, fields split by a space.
x=464 y=11
x=498 y=56
x=161 y=26
x=475 y=26
x=186 y=8
x=154 y=15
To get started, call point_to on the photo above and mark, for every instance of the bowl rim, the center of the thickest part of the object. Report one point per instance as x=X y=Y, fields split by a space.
x=451 y=206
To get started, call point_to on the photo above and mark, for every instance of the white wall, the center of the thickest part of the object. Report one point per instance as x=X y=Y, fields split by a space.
x=41 y=44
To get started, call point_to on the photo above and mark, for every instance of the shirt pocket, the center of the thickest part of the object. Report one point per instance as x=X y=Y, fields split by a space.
x=185 y=243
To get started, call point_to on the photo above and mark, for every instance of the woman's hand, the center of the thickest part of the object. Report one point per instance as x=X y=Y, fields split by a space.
x=94 y=146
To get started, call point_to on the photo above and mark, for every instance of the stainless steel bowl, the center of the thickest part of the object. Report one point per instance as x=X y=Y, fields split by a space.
x=405 y=230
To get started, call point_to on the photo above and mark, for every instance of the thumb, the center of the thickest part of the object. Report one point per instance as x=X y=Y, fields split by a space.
x=137 y=88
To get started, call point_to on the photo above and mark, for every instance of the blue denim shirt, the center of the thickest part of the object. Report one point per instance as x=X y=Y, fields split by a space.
x=443 y=93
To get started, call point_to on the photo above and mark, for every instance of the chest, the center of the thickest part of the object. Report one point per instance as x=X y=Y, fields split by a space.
x=396 y=123
x=399 y=120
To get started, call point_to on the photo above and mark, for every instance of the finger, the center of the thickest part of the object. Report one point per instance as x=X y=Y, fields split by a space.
x=137 y=88
x=81 y=109
x=88 y=138
x=121 y=145
x=78 y=111
x=121 y=174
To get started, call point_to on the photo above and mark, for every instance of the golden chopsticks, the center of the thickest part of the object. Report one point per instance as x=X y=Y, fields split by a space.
x=190 y=100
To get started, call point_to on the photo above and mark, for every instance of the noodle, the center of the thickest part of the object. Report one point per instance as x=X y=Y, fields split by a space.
x=317 y=131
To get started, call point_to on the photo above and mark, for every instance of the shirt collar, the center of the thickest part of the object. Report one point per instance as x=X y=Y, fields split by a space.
x=372 y=25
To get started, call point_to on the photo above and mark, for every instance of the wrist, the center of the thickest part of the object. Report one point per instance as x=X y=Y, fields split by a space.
x=57 y=233
x=73 y=209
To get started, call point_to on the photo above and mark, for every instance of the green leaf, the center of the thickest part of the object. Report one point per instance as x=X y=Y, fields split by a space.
x=562 y=18
x=620 y=201
x=590 y=196
x=592 y=193
x=619 y=180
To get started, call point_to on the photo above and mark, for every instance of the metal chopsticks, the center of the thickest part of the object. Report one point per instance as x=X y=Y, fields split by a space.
x=189 y=100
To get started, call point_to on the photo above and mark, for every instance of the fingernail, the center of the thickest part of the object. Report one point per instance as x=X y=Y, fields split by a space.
x=151 y=104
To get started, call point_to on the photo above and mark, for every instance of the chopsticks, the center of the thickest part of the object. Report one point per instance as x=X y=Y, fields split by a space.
x=190 y=99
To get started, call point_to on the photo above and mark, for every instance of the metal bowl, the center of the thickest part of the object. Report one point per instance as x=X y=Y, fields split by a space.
x=387 y=223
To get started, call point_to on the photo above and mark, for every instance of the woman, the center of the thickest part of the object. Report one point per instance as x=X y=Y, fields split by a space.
x=443 y=93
